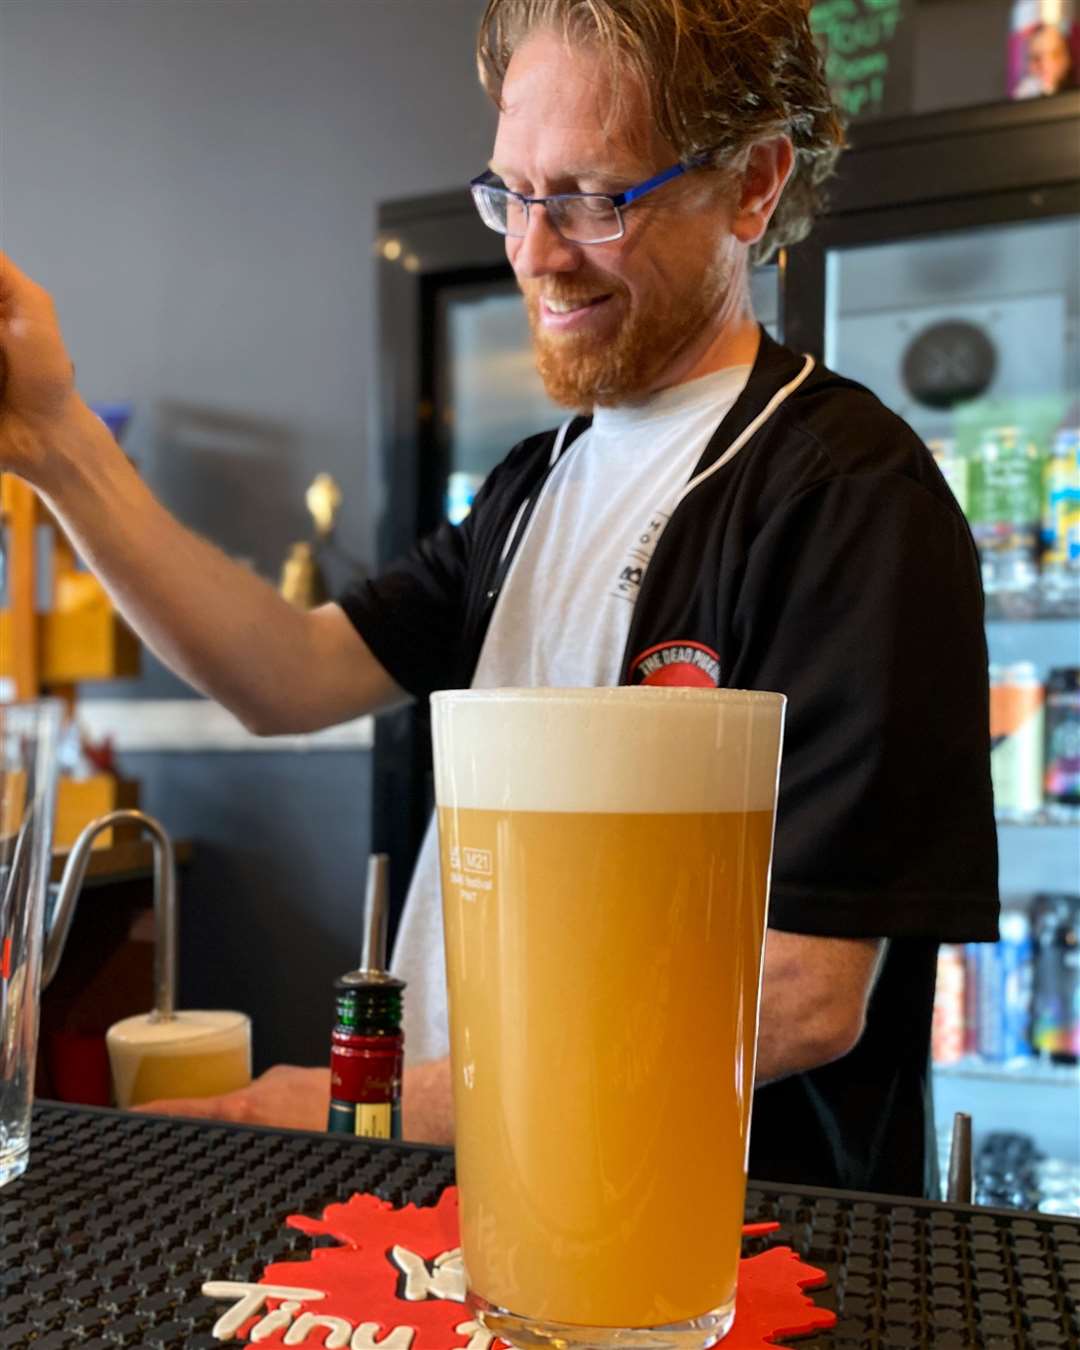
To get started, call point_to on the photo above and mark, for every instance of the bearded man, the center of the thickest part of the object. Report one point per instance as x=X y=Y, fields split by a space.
x=713 y=493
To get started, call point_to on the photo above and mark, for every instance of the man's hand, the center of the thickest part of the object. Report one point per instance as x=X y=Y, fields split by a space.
x=292 y=1098
x=37 y=379
x=286 y=1096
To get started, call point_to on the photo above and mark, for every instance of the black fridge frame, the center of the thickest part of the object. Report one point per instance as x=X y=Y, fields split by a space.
x=900 y=178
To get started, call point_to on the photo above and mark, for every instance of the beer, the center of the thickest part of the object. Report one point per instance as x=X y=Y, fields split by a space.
x=192 y=1054
x=605 y=861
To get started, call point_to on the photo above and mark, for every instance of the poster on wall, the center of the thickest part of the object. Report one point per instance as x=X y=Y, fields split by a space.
x=1044 y=48
x=869 y=53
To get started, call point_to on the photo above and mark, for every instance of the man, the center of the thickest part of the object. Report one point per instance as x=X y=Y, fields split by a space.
x=786 y=531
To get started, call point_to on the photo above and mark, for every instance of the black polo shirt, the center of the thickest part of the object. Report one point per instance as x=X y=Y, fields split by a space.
x=820 y=554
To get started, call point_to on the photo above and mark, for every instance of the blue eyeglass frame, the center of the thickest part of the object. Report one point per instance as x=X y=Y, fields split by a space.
x=618 y=200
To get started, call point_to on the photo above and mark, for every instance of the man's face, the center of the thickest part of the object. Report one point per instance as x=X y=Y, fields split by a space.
x=610 y=322
x=1048 y=58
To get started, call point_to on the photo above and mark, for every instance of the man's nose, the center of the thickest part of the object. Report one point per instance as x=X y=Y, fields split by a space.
x=542 y=250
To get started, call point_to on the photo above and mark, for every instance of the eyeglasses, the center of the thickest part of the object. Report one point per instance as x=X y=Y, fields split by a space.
x=579 y=217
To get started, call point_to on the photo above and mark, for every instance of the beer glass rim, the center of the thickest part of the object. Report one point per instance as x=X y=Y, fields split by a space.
x=613 y=694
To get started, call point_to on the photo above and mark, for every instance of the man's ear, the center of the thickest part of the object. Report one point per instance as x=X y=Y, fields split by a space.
x=768 y=168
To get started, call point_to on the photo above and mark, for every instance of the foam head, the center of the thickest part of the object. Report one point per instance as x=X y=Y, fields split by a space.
x=607 y=750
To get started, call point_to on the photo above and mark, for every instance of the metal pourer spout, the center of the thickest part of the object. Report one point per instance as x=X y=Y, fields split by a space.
x=164 y=904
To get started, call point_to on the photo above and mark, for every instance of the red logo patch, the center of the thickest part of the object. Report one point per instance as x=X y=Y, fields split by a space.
x=682 y=664
x=397 y=1283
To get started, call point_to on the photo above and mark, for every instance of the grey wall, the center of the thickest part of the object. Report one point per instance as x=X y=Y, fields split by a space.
x=195 y=181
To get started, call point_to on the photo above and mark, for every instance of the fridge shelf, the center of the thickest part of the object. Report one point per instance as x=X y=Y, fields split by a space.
x=1002 y=610
x=1039 y=822
x=1019 y=1072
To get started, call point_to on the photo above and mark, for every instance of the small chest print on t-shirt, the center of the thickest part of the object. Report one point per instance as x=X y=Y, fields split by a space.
x=638 y=557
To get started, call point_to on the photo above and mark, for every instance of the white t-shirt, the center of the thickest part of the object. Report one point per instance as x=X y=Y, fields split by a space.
x=563 y=615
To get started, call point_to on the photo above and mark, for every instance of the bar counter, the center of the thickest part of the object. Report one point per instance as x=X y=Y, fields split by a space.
x=120 y=1219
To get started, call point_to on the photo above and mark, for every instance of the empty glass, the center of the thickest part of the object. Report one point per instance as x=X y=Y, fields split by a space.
x=28 y=739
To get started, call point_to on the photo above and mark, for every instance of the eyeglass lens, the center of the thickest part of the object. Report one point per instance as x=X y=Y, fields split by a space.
x=582 y=219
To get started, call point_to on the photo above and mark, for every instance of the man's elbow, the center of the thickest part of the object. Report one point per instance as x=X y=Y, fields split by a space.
x=836 y=1035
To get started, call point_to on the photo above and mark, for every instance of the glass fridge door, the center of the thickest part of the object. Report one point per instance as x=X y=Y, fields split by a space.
x=974 y=339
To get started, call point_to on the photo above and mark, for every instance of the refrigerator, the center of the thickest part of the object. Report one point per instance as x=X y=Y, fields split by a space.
x=945 y=276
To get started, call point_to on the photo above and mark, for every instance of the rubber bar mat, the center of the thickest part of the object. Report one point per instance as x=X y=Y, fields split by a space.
x=108 y=1238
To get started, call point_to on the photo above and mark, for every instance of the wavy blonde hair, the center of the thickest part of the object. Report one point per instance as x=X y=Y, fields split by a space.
x=724 y=75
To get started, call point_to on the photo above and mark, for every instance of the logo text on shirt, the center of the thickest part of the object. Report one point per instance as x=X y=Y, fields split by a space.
x=677 y=664
x=638 y=557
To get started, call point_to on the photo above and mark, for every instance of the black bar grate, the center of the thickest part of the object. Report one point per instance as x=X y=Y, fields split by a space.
x=108 y=1238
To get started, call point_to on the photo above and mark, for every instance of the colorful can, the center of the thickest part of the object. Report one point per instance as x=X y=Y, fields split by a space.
x=1016 y=958
x=1044 y=48
x=1067 y=446
x=984 y=970
x=1003 y=976
x=1016 y=739
x=1056 y=1002
x=948 y=1036
x=954 y=469
x=1060 y=562
x=1062 y=743
x=1005 y=491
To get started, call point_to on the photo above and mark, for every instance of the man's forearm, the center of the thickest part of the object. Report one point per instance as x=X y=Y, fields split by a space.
x=813 y=1001
x=213 y=621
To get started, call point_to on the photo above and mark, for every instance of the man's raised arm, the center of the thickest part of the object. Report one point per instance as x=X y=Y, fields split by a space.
x=211 y=620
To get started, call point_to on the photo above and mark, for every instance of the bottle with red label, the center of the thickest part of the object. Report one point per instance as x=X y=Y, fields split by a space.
x=366 y=1055
x=367 y=1046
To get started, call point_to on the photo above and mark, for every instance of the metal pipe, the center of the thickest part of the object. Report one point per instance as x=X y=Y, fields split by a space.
x=960 y=1177
x=376 y=913
x=165 y=920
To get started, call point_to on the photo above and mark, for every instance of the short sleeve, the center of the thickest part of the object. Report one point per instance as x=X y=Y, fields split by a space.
x=861 y=602
x=412 y=616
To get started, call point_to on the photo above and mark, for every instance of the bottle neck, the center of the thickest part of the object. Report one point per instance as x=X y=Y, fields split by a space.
x=369 y=1011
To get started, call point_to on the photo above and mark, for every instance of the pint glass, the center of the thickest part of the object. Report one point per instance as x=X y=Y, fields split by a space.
x=28 y=739
x=605 y=862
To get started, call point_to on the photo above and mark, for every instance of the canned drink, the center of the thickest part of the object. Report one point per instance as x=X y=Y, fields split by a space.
x=1003 y=974
x=1016 y=740
x=1068 y=949
x=954 y=469
x=984 y=968
x=1060 y=562
x=971 y=997
x=948 y=1037
x=1055 y=1014
x=1016 y=961
x=1062 y=743
x=1005 y=491
x=1068 y=444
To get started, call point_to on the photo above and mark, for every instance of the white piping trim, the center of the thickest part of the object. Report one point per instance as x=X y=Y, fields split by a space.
x=513 y=531
x=755 y=426
x=556 y=449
